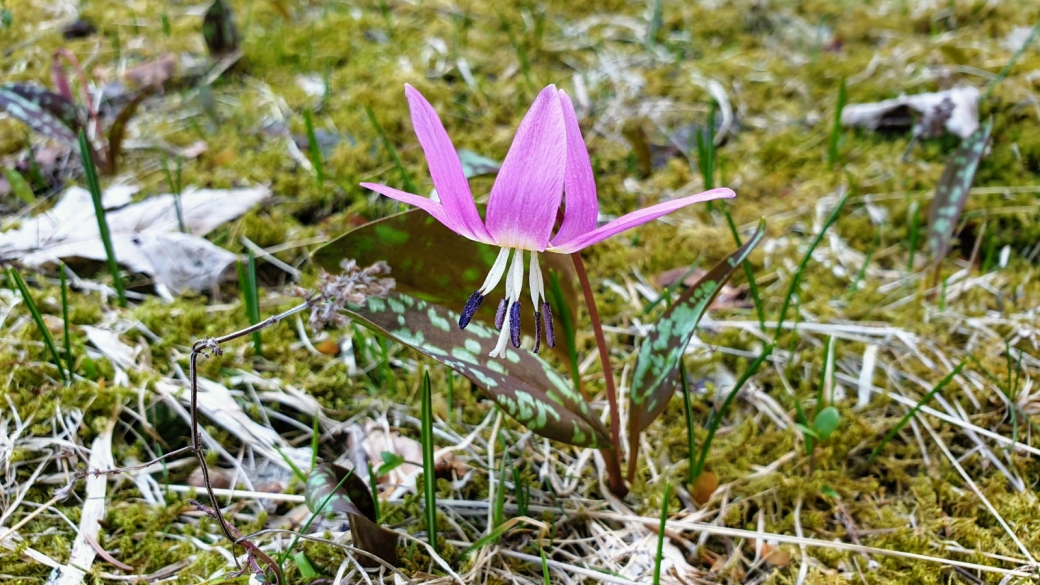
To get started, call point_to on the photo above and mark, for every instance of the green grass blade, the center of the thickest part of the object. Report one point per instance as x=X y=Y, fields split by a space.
x=300 y=475
x=656 y=18
x=406 y=179
x=914 y=211
x=40 y=325
x=797 y=278
x=251 y=297
x=545 y=568
x=866 y=263
x=906 y=418
x=832 y=152
x=499 y=514
x=1011 y=62
x=94 y=187
x=373 y=483
x=175 y=190
x=70 y=362
x=760 y=311
x=312 y=142
x=716 y=420
x=660 y=533
x=429 y=479
x=315 y=437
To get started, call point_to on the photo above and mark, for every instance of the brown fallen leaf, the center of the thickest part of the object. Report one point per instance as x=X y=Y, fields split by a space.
x=151 y=74
x=730 y=297
x=377 y=440
x=218 y=478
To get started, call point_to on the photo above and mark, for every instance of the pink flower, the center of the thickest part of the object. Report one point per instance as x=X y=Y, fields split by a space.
x=547 y=157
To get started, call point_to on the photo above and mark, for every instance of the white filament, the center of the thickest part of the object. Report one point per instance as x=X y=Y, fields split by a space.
x=536 y=282
x=497 y=270
x=516 y=273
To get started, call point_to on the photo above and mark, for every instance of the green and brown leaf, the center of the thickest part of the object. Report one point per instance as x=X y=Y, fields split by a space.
x=953 y=189
x=653 y=381
x=524 y=385
x=331 y=488
x=42 y=110
x=431 y=262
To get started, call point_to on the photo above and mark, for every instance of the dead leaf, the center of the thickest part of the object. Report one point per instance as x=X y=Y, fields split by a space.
x=377 y=440
x=954 y=110
x=151 y=74
x=145 y=235
x=219 y=478
x=730 y=297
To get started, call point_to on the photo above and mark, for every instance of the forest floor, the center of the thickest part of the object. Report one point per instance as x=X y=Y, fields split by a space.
x=876 y=322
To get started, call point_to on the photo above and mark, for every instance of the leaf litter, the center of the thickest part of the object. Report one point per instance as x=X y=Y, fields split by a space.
x=146 y=234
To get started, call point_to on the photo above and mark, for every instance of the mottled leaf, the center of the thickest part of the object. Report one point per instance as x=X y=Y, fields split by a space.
x=42 y=110
x=474 y=165
x=653 y=380
x=431 y=262
x=525 y=386
x=219 y=30
x=952 y=191
x=331 y=488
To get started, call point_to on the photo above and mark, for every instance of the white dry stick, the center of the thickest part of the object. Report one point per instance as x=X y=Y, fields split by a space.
x=866 y=376
x=803 y=570
x=83 y=553
x=1007 y=441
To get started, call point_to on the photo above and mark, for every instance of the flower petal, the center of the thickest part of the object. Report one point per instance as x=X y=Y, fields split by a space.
x=580 y=206
x=445 y=169
x=425 y=203
x=526 y=195
x=637 y=218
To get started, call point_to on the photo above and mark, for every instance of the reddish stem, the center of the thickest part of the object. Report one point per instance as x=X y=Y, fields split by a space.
x=612 y=455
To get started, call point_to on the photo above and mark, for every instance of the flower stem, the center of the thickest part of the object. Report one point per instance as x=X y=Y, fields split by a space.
x=612 y=455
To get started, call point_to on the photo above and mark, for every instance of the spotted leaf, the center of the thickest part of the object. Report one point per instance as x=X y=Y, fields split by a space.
x=42 y=110
x=524 y=385
x=654 y=378
x=431 y=262
x=331 y=488
x=952 y=191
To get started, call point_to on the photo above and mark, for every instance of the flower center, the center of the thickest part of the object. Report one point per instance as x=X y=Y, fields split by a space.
x=509 y=328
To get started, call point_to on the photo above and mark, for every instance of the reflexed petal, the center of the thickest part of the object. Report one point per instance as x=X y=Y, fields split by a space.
x=580 y=206
x=425 y=203
x=637 y=218
x=445 y=168
x=527 y=192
